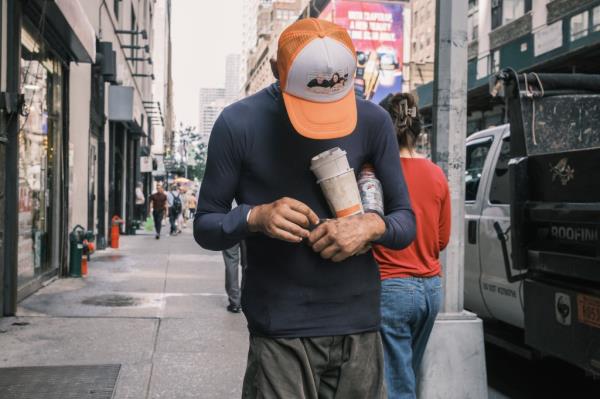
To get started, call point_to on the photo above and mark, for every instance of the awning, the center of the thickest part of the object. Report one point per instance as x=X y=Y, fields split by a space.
x=72 y=26
x=123 y=108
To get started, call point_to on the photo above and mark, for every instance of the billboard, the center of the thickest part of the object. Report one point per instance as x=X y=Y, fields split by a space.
x=377 y=31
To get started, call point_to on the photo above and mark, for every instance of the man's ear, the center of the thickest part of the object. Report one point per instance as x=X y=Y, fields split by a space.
x=273 y=62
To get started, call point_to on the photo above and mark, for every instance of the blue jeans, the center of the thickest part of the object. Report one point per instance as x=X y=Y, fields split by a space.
x=408 y=310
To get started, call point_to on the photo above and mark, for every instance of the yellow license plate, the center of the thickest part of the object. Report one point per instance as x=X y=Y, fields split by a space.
x=588 y=310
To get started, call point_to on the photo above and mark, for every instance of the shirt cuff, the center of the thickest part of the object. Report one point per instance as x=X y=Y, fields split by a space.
x=235 y=223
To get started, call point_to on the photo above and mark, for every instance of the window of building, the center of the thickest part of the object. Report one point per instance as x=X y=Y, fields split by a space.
x=495 y=64
x=483 y=66
x=116 y=5
x=596 y=19
x=499 y=190
x=579 y=25
x=133 y=38
x=496 y=13
x=476 y=155
x=473 y=25
x=285 y=15
x=133 y=19
x=512 y=9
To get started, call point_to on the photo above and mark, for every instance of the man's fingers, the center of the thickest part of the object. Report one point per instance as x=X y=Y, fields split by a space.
x=303 y=209
x=292 y=228
x=281 y=234
x=330 y=251
x=322 y=243
x=317 y=233
x=340 y=256
x=297 y=218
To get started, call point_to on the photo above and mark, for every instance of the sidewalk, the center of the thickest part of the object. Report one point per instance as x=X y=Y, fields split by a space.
x=155 y=307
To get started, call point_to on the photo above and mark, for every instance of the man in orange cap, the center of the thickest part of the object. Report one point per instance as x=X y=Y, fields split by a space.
x=311 y=297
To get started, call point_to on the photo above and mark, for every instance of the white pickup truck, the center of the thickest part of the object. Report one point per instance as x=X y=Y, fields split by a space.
x=487 y=201
x=532 y=219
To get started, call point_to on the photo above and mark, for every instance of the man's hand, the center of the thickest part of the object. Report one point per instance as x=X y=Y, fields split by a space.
x=285 y=219
x=338 y=239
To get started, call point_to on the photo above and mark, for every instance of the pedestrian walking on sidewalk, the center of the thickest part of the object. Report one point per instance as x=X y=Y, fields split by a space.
x=231 y=257
x=140 y=202
x=191 y=204
x=175 y=208
x=310 y=294
x=158 y=208
x=411 y=288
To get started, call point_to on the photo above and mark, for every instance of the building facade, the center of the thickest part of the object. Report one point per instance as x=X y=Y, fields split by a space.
x=77 y=89
x=422 y=43
x=232 y=77
x=272 y=17
x=249 y=37
x=212 y=101
x=526 y=35
x=162 y=86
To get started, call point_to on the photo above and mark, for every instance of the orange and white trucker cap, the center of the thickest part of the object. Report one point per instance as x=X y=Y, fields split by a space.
x=316 y=62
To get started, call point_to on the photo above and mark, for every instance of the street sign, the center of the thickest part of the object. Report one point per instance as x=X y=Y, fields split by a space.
x=145 y=164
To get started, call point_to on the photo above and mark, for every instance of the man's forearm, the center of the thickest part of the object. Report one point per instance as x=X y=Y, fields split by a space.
x=399 y=229
x=219 y=231
x=374 y=226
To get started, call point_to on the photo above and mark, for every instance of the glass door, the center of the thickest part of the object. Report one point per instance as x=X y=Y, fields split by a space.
x=40 y=127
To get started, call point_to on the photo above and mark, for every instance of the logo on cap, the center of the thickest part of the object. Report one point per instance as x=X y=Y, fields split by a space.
x=327 y=83
x=316 y=61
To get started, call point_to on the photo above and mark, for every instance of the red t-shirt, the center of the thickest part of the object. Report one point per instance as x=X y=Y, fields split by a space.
x=430 y=200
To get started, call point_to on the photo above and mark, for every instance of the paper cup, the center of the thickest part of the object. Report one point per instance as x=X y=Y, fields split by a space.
x=330 y=163
x=341 y=193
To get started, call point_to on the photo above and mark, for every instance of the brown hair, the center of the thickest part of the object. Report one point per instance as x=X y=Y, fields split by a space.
x=408 y=127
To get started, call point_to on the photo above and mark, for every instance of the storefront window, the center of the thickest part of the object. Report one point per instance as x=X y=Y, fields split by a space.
x=39 y=138
x=495 y=64
x=579 y=25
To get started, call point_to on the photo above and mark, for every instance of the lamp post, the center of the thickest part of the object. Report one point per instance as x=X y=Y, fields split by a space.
x=457 y=337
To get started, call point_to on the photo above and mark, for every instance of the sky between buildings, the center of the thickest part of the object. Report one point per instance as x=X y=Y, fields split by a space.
x=203 y=33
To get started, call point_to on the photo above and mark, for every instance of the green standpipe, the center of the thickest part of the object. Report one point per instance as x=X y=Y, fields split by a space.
x=76 y=250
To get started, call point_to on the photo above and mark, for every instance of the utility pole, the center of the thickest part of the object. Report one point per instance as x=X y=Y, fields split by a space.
x=454 y=362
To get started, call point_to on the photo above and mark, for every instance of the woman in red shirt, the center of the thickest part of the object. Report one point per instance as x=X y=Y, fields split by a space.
x=411 y=284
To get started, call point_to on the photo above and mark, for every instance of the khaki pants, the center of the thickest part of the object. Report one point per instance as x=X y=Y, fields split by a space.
x=337 y=367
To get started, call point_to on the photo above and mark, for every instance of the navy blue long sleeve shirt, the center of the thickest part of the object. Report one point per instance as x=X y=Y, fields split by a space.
x=256 y=157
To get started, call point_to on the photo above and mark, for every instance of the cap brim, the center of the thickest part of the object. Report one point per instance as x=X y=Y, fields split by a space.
x=322 y=120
